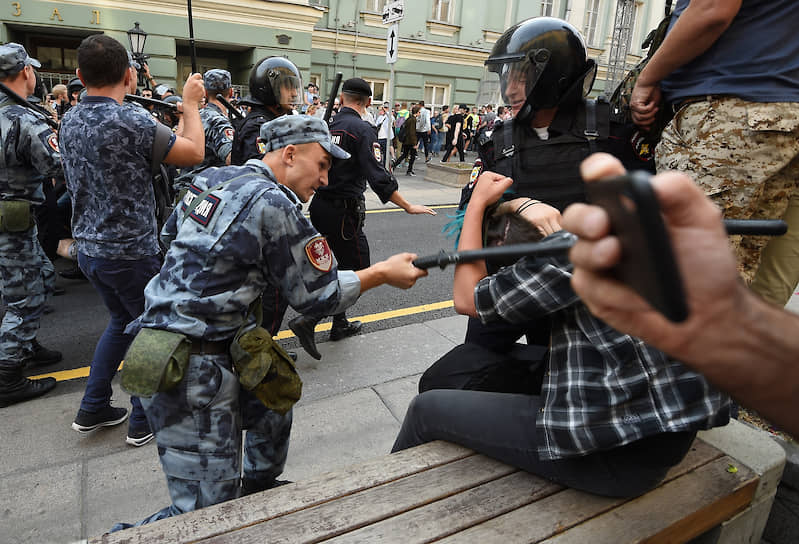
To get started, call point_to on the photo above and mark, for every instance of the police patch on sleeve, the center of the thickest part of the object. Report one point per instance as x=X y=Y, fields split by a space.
x=260 y=145
x=378 y=153
x=319 y=254
x=229 y=134
x=52 y=141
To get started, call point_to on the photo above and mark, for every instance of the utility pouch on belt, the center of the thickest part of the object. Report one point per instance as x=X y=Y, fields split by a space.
x=265 y=369
x=15 y=216
x=156 y=361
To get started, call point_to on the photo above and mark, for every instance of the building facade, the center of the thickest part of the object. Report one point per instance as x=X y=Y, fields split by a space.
x=442 y=44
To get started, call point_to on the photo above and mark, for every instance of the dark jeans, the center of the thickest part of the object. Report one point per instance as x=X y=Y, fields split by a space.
x=502 y=426
x=121 y=286
x=424 y=138
x=407 y=151
x=449 y=148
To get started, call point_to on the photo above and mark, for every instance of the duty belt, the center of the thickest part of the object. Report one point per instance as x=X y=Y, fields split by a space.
x=675 y=107
x=346 y=203
x=208 y=347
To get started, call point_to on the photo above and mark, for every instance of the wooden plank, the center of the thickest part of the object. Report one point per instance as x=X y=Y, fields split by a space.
x=457 y=512
x=566 y=509
x=675 y=512
x=234 y=514
x=370 y=506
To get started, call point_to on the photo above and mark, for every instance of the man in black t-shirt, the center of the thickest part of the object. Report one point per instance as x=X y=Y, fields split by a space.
x=454 y=134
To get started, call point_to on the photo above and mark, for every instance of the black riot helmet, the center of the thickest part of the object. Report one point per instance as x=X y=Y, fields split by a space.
x=275 y=81
x=539 y=61
x=75 y=85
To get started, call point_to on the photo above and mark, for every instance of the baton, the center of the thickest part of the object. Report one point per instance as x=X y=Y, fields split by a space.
x=192 y=47
x=230 y=108
x=143 y=100
x=760 y=227
x=31 y=106
x=332 y=97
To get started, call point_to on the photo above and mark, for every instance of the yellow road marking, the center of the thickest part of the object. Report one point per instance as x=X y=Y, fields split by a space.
x=83 y=372
x=387 y=210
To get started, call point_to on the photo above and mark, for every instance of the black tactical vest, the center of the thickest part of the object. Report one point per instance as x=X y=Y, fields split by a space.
x=548 y=170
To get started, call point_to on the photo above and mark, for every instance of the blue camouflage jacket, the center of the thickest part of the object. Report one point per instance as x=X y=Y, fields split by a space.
x=106 y=148
x=218 y=144
x=243 y=237
x=29 y=153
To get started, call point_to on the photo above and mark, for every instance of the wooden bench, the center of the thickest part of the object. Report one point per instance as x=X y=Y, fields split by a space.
x=446 y=493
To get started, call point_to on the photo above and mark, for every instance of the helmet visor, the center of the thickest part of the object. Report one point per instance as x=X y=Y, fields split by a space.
x=518 y=75
x=287 y=87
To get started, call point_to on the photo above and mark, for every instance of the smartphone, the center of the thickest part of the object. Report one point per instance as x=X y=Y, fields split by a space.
x=647 y=261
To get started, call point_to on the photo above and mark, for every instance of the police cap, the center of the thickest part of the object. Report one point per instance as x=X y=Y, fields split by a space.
x=13 y=58
x=299 y=129
x=356 y=85
x=217 y=80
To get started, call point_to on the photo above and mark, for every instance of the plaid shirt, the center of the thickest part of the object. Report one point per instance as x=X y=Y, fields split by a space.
x=602 y=389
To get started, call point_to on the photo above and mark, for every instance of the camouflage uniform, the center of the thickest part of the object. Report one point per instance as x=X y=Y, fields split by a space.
x=107 y=154
x=246 y=236
x=745 y=155
x=30 y=157
x=218 y=130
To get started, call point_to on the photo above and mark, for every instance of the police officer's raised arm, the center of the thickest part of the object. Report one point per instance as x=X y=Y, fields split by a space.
x=189 y=149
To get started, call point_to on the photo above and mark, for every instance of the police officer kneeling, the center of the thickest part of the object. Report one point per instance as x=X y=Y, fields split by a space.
x=229 y=243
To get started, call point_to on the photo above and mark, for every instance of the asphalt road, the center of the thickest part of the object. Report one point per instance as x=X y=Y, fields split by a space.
x=80 y=317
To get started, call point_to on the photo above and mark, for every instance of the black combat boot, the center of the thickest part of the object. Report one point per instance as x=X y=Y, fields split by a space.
x=342 y=328
x=43 y=356
x=303 y=328
x=250 y=485
x=14 y=387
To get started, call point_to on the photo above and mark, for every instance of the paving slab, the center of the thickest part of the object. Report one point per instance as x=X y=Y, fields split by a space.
x=398 y=394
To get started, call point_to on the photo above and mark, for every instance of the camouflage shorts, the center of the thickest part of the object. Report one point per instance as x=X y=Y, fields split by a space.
x=745 y=155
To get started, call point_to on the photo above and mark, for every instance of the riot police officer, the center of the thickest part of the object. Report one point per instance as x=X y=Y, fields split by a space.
x=338 y=210
x=216 y=124
x=275 y=90
x=30 y=156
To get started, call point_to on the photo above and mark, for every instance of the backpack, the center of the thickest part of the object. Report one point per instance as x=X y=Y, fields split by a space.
x=620 y=99
x=403 y=132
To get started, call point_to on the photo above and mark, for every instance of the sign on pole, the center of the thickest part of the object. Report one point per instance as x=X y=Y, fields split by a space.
x=392 y=43
x=393 y=12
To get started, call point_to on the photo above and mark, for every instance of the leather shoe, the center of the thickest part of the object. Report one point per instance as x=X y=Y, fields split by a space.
x=350 y=328
x=74 y=273
x=303 y=328
x=26 y=389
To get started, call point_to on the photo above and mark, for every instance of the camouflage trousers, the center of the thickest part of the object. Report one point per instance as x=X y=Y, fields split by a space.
x=745 y=155
x=27 y=278
x=198 y=427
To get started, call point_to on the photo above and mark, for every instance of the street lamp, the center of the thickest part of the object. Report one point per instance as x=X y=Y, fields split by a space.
x=137 y=37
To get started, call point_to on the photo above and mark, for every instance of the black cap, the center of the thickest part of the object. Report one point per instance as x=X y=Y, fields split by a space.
x=356 y=85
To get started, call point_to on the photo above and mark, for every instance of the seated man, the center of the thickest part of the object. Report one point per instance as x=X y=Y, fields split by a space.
x=613 y=414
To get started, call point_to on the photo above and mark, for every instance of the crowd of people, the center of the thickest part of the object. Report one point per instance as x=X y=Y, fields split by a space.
x=605 y=396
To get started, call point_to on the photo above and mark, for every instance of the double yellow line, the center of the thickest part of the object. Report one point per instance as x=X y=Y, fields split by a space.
x=83 y=372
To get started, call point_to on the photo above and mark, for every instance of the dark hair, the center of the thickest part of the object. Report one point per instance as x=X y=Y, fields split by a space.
x=355 y=98
x=102 y=60
x=415 y=109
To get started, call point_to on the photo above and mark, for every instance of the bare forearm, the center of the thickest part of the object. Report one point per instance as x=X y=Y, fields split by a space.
x=467 y=275
x=697 y=29
x=399 y=200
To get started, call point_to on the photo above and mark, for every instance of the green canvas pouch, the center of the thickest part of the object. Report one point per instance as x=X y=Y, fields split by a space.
x=156 y=361
x=266 y=370
x=15 y=216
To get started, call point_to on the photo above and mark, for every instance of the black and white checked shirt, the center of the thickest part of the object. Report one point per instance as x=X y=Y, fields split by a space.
x=602 y=389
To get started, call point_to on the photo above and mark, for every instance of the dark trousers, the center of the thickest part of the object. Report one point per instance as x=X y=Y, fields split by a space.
x=120 y=284
x=449 y=147
x=424 y=137
x=407 y=150
x=341 y=222
x=503 y=426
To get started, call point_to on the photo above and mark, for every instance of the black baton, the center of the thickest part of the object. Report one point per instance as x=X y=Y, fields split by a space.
x=332 y=97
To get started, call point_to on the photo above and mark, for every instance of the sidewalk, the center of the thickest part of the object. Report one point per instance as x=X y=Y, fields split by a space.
x=57 y=486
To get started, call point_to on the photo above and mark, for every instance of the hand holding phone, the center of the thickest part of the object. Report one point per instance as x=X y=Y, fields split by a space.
x=647 y=262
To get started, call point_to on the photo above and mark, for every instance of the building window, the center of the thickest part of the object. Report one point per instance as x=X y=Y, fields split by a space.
x=549 y=8
x=591 y=19
x=435 y=95
x=376 y=5
x=379 y=88
x=442 y=10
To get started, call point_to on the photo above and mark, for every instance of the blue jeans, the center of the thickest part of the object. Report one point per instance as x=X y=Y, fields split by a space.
x=121 y=286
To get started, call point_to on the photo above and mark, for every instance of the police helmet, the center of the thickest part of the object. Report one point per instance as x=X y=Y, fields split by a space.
x=74 y=85
x=276 y=81
x=539 y=62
